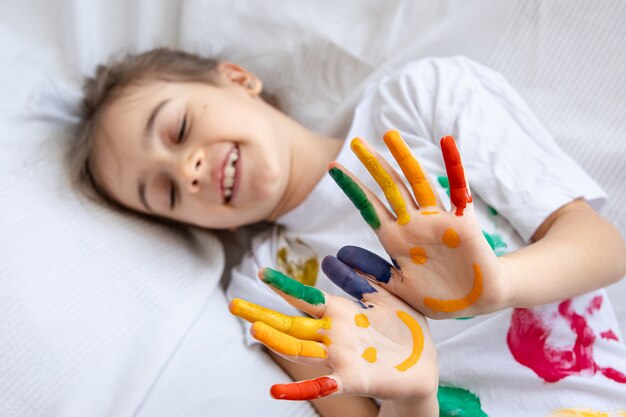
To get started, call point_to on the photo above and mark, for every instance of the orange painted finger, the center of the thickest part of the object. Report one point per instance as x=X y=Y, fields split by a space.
x=286 y=344
x=459 y=192
x=411 y=168
x=307 y=390
x=300 y=327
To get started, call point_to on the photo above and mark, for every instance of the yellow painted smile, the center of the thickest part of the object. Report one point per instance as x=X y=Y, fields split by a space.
x=418 y=341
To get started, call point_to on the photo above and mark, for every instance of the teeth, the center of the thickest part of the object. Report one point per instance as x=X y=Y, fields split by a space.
x=229 y=173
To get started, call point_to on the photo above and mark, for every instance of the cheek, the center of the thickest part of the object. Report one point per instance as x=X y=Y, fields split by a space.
x=268 y=178
x=269 y=166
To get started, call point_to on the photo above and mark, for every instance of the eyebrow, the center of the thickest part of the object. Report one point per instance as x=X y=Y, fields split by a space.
x=152 y=119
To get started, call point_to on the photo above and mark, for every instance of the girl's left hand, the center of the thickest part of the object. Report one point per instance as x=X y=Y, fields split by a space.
x=443 y=266
x=377 y=347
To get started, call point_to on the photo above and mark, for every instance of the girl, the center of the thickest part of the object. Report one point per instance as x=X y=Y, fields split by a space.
x=190 y=140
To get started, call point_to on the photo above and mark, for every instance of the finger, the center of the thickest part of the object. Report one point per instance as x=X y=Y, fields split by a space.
x=370 y=207
x=412 y=170
x=367 y=262
x=286 y=344
x=387 y=168
x=347 y=279
x=308 y=390
x=308 y=299
x=300 y=327
x=459 y=191
x=384 y=179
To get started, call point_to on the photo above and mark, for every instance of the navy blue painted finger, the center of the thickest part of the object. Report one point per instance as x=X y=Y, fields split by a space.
x=346 y=278
x=366 y=262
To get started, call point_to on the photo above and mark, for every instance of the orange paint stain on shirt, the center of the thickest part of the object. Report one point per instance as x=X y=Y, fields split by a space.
x=427 y=213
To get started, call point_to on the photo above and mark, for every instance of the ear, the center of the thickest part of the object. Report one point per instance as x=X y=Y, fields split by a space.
x=234 y=74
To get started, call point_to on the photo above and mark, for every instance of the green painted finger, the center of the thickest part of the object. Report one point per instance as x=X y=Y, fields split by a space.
x=292 y=287
x=357 y=196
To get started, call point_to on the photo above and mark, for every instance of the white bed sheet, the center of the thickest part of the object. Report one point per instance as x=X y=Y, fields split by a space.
x=65 y=264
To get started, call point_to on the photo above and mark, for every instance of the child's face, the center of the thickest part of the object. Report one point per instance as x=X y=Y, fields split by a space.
x=167 y=148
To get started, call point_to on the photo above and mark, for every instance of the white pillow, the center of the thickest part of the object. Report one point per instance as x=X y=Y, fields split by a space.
x=93 y=303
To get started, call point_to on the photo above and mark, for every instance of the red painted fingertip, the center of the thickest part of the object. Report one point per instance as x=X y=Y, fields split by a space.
x=459 y=194
x=305 y=390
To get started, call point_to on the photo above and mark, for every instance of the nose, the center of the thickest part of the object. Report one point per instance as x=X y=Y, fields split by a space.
x=192 y=167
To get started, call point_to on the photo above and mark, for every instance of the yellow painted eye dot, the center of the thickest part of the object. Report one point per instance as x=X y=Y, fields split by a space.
x=369 y=354
x=450 y=238
x=418 y=255
x=361 y=320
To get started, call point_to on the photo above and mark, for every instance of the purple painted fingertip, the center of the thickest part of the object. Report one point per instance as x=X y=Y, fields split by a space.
x=366 y=262
x=346 y=278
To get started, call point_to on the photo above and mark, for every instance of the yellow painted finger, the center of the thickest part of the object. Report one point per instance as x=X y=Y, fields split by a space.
x=384 y=180
x=285 y=344
x=300 y=327
x=411 y=168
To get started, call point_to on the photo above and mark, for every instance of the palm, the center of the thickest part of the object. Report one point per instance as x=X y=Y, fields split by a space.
x=443 y=266
x=384 y=355
x=378 y=347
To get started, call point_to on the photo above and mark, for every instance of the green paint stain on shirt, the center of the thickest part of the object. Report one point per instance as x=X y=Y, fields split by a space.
x=497 y=244
x=458 y=402
x=443 y=181
x=357 y=196
x=492 y=211
x=292 y=287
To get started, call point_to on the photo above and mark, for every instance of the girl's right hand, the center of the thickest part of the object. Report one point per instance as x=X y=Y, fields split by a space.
x=443 y=265
x=376 y=347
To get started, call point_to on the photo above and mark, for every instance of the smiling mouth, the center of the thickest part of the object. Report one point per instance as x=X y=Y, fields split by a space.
x=230 y=175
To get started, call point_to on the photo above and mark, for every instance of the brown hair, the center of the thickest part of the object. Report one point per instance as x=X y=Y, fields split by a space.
x=105 y=86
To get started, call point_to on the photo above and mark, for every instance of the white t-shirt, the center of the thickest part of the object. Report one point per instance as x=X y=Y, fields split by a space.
x=521 y=362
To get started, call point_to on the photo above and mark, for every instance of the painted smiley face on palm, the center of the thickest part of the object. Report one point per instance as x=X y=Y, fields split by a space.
x=442 y=264
x=368 y=351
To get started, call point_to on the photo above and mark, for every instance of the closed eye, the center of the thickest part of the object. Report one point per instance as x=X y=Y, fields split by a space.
x=172 y=195
x=181 y=133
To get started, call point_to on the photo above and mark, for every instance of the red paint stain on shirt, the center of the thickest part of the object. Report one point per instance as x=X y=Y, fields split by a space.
x=609 y=335
x=528 y=342
x=595 y=304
